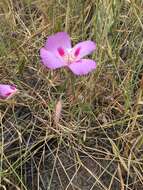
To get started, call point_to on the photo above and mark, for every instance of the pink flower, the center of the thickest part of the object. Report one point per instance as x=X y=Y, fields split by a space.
x=58 y=52
x=7 y=91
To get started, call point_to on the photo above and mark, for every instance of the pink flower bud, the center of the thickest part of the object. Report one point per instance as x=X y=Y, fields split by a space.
x=7 y=91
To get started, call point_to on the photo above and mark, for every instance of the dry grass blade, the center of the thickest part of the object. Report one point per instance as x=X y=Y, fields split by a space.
x=121 y=177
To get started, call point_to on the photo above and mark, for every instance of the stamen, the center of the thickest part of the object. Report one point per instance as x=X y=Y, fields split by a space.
x=61 y=51
x=76 y=53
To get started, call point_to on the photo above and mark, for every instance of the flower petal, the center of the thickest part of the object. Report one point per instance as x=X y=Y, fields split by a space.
x=7 y=91
x=50 y=60
x=58 y=40
x=82 y=67
x=83 y=48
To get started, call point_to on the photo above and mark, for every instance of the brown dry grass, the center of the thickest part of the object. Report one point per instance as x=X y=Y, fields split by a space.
x=97 y=142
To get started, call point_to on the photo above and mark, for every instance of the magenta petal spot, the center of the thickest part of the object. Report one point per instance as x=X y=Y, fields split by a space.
x=86 y=47
x=76 y=53
x=12 y=87
x=61 y=51
x=60 y=39
x=50 y=60
x=8 y=94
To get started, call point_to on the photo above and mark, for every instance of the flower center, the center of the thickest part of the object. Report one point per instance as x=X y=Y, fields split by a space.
x=69 y=56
